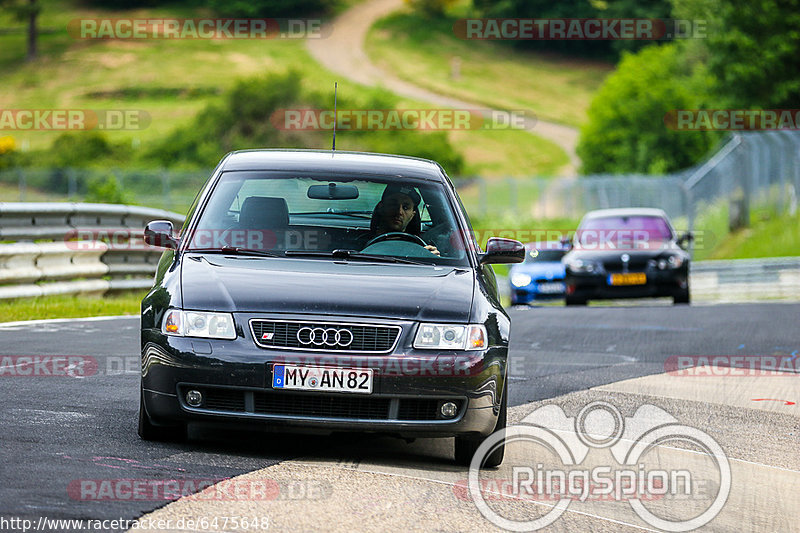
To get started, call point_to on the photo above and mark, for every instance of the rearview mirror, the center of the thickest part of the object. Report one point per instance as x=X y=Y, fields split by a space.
x=159 y=233
x=501 y=251
x=332 y=191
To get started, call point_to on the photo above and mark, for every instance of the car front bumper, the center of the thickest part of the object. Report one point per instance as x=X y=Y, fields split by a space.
x=596 y=286
x=235 y=379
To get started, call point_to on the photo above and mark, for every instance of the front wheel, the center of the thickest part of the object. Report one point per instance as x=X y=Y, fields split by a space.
x=681 y=296
x=149 y=431
x=467 y=445
x=573 y=300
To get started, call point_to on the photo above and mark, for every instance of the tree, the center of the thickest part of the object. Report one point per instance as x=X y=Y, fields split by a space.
x=753 y=48
x=26 y=11
x=626 y=130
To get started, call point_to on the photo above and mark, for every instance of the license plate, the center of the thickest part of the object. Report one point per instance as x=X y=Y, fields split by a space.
x=551 y=287
x=318 y=378
x=632 y=278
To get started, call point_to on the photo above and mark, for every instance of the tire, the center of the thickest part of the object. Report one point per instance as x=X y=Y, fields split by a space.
x=572 y=300
x=149 y=431
x=467 y=445
x=681 y=296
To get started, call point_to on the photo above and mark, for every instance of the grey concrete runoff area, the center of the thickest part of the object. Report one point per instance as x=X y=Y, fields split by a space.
x=70 y=443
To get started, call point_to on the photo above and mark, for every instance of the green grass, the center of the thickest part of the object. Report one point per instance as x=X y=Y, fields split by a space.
x=422 y=51
x=769 y=235
x=65 y=306
x=172 y=80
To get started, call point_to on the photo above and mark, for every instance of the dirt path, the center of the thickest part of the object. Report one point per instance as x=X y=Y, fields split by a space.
x=343 y=52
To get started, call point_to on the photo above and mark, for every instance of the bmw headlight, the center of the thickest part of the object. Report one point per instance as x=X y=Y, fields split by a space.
x=673 y=261
x=520 y=280
x=584 y=266
x=198 y=324
x=450 y=337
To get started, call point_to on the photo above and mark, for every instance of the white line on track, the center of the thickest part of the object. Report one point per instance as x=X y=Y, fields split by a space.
x=22 y=323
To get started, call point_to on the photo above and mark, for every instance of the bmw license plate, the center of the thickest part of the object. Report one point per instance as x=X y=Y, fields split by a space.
x=631 y=278
x=325 y=379
x=551 y=287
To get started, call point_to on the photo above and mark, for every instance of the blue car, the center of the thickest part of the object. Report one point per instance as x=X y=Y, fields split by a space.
x=541 y=276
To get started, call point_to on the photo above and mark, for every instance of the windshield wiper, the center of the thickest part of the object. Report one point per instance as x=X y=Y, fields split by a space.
x=353 y=254
x=237 y=251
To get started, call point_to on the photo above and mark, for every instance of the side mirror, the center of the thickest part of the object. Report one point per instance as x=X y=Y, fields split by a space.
x=159 y=233
x=501 y=251
x=686 y=237
x=566 y=241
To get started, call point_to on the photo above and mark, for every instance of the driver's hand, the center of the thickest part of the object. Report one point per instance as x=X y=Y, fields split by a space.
x=432 y=249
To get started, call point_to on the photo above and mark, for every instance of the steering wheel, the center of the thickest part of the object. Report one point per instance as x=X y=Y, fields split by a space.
x=397 y=236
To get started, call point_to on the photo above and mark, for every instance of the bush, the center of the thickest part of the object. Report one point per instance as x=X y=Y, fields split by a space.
x=106 y=190
x=431 y=8
x=626 y=130
x=244 y=120
x=577 y=9
x=271 y=8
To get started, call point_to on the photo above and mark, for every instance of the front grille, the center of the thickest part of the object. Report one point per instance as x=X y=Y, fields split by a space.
x=218 y=399
x=634 y=265
x=283 y=335
x=421 y=408
x=334 y=406
x=322 y=406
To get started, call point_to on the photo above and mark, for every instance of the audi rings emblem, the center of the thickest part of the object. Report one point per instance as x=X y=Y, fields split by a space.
x=330 y=337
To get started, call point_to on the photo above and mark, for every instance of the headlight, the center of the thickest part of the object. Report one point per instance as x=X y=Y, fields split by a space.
x=584 y=266
x=450 y=337
x=198 y=324
x=520 y=280
x=675 y=261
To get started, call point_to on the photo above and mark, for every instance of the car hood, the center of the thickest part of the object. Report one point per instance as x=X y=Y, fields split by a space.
x=318 y=286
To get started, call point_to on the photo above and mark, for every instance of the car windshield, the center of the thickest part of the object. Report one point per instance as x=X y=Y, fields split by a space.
x=638 y=231
x=329 y=217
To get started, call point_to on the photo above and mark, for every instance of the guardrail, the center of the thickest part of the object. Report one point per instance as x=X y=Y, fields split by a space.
x=93 y=248
x=746 y=279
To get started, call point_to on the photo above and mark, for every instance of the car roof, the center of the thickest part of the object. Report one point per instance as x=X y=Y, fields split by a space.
x=626 y=212
x=330 y=161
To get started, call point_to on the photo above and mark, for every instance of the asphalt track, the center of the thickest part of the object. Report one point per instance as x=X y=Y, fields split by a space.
x=58 y=430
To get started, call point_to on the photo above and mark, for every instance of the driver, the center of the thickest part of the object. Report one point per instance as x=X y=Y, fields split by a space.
x=398 y=212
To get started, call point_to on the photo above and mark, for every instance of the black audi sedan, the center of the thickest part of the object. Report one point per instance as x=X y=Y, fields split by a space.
x=627 y=253
x=327 y=291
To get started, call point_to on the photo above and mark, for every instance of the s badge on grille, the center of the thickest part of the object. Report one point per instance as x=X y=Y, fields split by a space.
x=267 y=336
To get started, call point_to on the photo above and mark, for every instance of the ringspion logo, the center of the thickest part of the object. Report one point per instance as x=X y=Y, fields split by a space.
x=567 y=461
